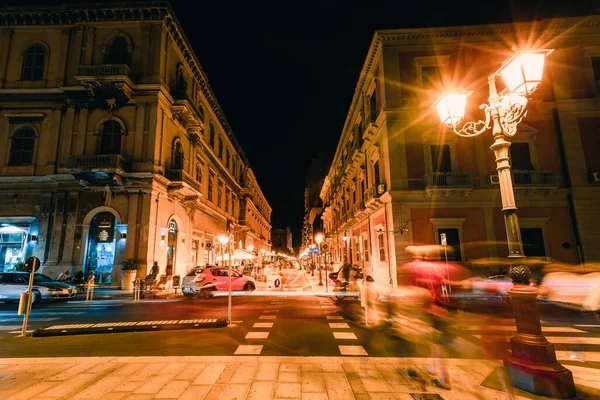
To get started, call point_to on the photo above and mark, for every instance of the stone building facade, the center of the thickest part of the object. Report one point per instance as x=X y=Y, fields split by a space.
x=114 y=145
x=400 y=178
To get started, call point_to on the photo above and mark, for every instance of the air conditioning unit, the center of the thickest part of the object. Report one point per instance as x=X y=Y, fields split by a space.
x=381 y=189
x=494 y=180
x=595 y=177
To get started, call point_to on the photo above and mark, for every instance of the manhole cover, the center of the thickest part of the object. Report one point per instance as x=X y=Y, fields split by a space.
x=426 y=396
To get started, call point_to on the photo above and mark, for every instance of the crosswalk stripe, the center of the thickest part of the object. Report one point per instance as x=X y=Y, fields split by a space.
x=353 y=350
x=551 y=339
x=559 y=329
x=249 y=349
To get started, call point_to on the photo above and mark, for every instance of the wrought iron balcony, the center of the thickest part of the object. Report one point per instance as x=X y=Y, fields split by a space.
x=448 y=182
x=105 y=70
x=532 y=180
x=108 y=162
x=182 y=181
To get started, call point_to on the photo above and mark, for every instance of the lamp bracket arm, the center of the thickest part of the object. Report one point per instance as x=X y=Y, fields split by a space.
x=512 y=118
x=472 y=128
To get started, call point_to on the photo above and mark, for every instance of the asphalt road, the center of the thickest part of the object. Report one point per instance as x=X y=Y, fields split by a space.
x=293 y=322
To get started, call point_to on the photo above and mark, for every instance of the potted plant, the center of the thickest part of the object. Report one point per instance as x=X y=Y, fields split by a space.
x=128 y=272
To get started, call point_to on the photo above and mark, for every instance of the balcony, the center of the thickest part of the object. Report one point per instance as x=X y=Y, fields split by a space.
x=448 y=183
x=98 y=169
x=183 y=184
x=533 y=181
x=107 y=82
x=373 y=194
x=358 y=209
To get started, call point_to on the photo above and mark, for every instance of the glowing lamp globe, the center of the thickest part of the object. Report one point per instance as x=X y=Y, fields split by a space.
x=523 y=72
x=319 y=238
x=223 y=239
x=451 y=107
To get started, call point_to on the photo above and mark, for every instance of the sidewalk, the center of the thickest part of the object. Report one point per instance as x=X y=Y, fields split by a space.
x=255 y=378
x=314 y=283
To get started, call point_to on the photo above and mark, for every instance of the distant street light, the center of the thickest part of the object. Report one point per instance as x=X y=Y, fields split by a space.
x=532 y=364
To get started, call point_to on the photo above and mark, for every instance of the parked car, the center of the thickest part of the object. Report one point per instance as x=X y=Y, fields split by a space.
x=12 y=284
x=203 y=281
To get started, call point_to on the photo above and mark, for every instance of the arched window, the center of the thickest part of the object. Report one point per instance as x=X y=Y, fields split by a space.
x=177 y=162
x=199 y=173
x=34 y=61
x=117 y=53
x=21 y=147
x=110 y=138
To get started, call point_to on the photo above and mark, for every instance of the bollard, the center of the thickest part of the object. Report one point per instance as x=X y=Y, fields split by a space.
x=23 y=303
x=137 y=289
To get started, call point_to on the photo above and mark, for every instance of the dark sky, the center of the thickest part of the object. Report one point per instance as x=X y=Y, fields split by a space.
x=284 y=74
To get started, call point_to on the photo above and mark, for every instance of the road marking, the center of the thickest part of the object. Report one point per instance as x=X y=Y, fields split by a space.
x=268 y=317
x=263 y=325
x=552 y=339
x=514 y=328
x=257 y=335
x=339 y=325
x=19 y=332
x=353 y=351
x=589 y=356
x=270 y=311
x=31 y=318
x=588 y=326
x=344 y=335
x=334 y=317
x=9 y=327
x=247 y=349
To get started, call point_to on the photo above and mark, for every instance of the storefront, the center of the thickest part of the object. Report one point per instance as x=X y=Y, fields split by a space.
x=14 y=239
x=101 y=248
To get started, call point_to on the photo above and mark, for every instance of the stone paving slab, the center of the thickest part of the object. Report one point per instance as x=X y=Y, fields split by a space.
x=253 y=377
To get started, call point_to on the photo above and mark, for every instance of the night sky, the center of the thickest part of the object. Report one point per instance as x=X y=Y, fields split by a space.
x=284 y=72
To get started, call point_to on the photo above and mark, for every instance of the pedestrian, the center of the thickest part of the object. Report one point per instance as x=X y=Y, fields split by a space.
x=63 y=276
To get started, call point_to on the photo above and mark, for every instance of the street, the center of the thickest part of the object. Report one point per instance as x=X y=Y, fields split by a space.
x=300 y=319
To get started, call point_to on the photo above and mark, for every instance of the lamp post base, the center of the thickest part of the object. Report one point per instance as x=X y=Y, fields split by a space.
x=532 y=365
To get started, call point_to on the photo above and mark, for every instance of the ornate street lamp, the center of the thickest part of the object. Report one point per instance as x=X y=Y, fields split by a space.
x=532 y=366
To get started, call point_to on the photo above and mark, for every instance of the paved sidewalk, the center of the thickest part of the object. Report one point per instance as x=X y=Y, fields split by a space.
x=252 y=377
x=314 y=283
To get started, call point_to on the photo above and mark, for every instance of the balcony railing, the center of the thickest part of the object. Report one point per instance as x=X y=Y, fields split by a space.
x=448 y=180
x=97 y=162
x=370 y=193
x=180 y=176
x=104 y=70
x=546 y=179
x=358 y=207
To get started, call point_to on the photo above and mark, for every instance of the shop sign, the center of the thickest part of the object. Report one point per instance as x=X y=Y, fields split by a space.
x=106 y=229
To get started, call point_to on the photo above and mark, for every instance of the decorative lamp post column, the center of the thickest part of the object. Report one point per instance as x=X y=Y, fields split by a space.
x=319 y=239
x=532 y=365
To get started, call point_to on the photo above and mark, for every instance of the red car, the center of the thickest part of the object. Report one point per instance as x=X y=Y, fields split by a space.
x=204 y=281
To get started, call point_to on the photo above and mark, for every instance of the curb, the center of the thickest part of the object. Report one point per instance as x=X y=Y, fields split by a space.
x=123 y=327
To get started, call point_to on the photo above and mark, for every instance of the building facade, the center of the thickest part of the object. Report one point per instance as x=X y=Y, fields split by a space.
x=114 y=145
x=282 y=240
x=313 y=205
x=400 y=178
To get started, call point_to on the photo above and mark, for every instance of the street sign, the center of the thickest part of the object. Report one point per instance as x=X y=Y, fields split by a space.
x=32 y=263
x=315 y=250
x=443 y=239
x=325 y=246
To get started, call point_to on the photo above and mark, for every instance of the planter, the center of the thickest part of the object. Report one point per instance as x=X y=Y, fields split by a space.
x=127 y=278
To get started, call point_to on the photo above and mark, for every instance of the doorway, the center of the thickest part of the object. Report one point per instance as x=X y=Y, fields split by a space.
x=101 y=248
x=171 y=247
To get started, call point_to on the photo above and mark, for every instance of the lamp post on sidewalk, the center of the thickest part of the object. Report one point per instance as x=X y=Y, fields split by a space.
x=319 y=239
x=532 y=365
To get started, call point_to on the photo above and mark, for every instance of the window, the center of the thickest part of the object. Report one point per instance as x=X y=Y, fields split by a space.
x=227 y=194
x=233 y=166
x=34 y=61
x=118 y=52
x=219 y=194
x=220 y=148
x=227 y=158
x=362 y=189
x=376 y=177
x=233 y=200
x=520 y=157
x=21 y=147
x=381 y=245
x=440 y=158
x=533 y=242
x=432 y=77
x=211 y=178
x=452 y=241
x=358 y=246
x=201 y=112
x=199 y=173
x=596 y=72
x=211 y=139
x=177 y=161
x=366 y=249
x=110 y=138
x=373 y=105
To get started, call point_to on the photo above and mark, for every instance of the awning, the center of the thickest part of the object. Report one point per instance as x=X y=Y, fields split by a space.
x=239 y=254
